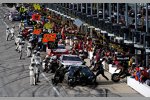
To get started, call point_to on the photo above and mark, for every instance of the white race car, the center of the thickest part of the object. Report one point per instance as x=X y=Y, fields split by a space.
x=69 y=59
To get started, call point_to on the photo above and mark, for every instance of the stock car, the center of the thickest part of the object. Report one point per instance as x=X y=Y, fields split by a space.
x=27 y=28
x=69 y=59
x=14 y=16
x=79 y=75
x=61 y=49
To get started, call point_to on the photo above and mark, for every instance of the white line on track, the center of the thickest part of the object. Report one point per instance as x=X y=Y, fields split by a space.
x=4 y=22
x=54 y=88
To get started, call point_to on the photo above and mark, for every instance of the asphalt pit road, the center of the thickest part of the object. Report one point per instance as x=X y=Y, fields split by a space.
x=29 y=91
x=88 y=91
x=6 y=43
x=18 y=79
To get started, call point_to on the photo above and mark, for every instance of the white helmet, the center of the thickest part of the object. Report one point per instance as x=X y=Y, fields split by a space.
x=75 y=38
x=141 y=68
x=133 y=63
x=19 y=35
x=116 y=53
x=35 y=51
x=47 y=56
x=32 y=63
x=7 y=27
x=80 y=50
x=101 y=59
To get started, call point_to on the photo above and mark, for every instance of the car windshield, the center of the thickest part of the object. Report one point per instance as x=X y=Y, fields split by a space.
x=71 y=58
x=61 y=47
x=15 y=14
x=86 y=71
x=72 y=70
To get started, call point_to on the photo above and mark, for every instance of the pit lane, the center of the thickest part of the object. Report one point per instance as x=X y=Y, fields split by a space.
x=14 y=76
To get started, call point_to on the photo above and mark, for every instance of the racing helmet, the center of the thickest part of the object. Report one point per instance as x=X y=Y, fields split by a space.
x=34 y=52
x=30 y=40
x=32 y=68
x=38 y=54
x=30 y=19
x=44 y=60
x=64 y=66
x=133 y=63
x=47 y=56
x=101 y=59
x=80 y=51
x=141 y=68
x=13 y=26
x=22 y=21
x=7 y=27
x=32 y=63
x=19 y=35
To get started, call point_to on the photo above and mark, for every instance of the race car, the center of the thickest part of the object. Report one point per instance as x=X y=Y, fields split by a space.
x=69 y=59
x=61 y=49
x=80 y=75
x=27 y=28
x=26 y=32
x=74 y=75
x=14 y=16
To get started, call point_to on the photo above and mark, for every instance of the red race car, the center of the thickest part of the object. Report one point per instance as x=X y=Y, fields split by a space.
x=61 y=49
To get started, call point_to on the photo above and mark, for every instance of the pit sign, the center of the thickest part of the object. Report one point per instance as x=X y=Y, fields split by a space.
x=49 y=37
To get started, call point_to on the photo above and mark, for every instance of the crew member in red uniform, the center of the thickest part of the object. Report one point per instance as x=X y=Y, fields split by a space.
x=60 y=41
x=80 y=45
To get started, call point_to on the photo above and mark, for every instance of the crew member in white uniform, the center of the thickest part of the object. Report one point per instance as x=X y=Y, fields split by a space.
x=7 y=33
x=29 y=48
x=32 y=74
x=38 y=62
x=12 y=31
x=20 y=44
x=33 y=56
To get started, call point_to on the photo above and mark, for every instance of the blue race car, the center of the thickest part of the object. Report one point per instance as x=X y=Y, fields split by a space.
x=15 y=16
x=80 y=75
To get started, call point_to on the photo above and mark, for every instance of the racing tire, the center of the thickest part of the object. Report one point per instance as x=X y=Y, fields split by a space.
x=94 y=81
x=71 y=83
x=115 y=77
x=83 y=83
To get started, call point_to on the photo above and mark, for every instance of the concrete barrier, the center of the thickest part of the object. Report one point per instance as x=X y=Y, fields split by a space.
x=112 y=69
x=139 y=87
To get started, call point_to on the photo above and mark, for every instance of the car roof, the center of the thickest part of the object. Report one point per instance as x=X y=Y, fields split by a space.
x=70 y=55
x=61 y=45
x=78 y=66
